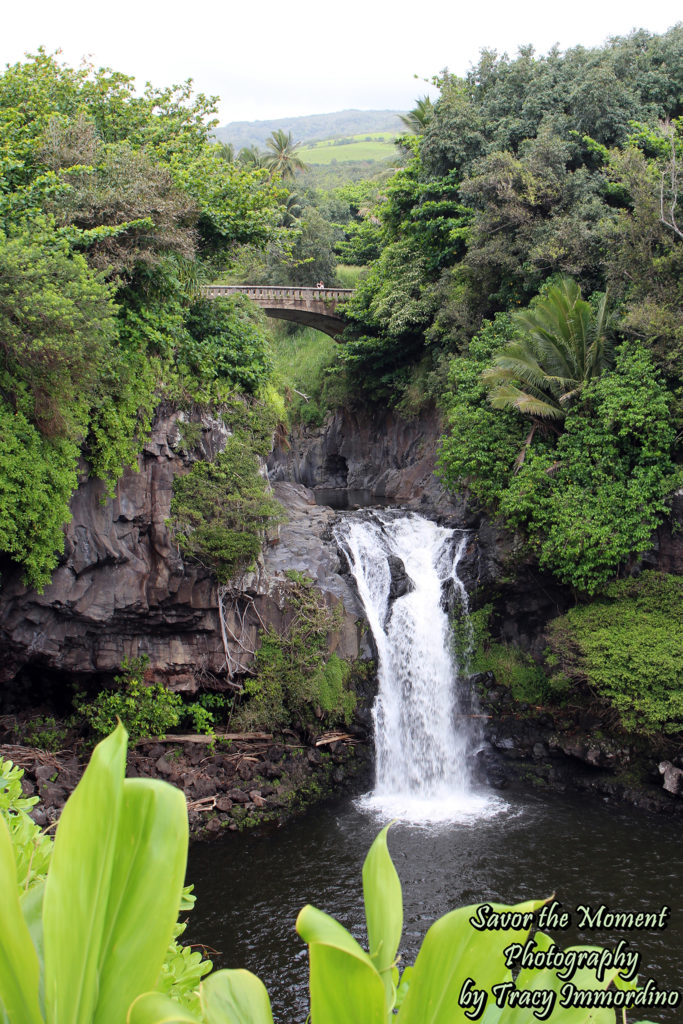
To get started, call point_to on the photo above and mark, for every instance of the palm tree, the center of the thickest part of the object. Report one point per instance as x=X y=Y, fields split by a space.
x=282 y=158
x=225 y=151
x=419 y=117
x=292 y=210
x=251 y=157
x=563 y=345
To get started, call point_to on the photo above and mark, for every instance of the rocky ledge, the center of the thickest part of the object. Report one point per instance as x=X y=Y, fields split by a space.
x=122 y=588
x=562 y=751
x=228 y=784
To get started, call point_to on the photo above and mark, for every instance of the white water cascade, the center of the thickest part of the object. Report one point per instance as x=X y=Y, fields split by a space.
x=421 y=734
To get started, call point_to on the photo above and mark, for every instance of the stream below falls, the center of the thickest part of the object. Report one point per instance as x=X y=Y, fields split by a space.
x=250 y=887
x=454 y=843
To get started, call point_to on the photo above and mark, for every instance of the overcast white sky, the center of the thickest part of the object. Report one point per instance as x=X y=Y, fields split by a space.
x=269 y=59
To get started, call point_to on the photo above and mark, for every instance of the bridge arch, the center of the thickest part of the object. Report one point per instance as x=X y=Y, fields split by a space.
x=313 y=307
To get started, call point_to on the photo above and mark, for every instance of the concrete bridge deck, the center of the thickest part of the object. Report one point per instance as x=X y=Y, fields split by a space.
x=313 y=307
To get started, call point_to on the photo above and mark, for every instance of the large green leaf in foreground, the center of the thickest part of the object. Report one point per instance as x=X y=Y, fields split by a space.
x=452 y=952
x=383 y=910
x=345 y=986
x=113 y=890
x=19 y=968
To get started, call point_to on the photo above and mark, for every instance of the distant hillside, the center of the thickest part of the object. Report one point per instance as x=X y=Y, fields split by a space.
x=369 y=148
x=311 y=127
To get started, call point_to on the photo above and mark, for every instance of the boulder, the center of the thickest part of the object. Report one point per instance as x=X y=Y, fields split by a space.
x=673 y=778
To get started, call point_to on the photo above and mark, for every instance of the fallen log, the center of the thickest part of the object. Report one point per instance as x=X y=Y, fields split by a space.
x=206 y=737
x=333 y=737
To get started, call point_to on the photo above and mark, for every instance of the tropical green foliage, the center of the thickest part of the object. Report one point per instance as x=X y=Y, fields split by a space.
x=182 y=969
x=37 y=477
x=145 y=708
x=226 y=345
x=562 y=346
x=594 y=497
x=516 y=670
x=220 y=510
x=122 y=846
x=587 y=498
x=295 y=678
x=481 y=445
x=32 y=848
x=113 y=208
x=56 y=323
x=627 y=647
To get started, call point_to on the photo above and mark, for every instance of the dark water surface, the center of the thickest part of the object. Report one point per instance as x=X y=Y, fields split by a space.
x=251 y=887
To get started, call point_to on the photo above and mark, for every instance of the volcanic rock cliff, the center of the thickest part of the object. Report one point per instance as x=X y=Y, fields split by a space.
x=122 y=589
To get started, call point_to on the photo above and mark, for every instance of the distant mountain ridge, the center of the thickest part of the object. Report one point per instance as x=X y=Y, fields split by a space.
x=311 y=126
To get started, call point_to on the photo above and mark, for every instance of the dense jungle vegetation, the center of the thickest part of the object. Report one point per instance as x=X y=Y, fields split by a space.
x=521 y=269
x=528 y=281
x=114 y=208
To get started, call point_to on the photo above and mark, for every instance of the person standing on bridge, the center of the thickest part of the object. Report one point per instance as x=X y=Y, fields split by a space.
x=320 y=284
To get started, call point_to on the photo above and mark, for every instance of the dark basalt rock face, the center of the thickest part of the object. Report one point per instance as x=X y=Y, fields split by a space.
x=365 y=458
x=401 y=582
x=392 y=461
x=122 y=589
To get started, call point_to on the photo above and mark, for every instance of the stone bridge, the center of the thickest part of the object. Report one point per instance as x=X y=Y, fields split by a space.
x=313 y=307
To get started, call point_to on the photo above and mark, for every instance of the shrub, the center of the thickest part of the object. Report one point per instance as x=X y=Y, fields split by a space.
x=32 y=848
x=220 y=509
x=146 y=709
x=225 y=343
x=295 y=680
x=45 y=733
x=511 y=667
x=37 y=477
x=627 y=646
x=516 y=670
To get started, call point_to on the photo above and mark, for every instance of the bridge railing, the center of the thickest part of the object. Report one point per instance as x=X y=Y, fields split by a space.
x=261 y=293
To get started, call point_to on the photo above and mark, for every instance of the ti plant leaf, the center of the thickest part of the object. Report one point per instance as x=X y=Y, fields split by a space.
x=546 y=980
x=383 y=911
x=345 y=985
x=19 y=968
x=235 y=997
x=454 y=952
x=156 y=1008
x=113 y=890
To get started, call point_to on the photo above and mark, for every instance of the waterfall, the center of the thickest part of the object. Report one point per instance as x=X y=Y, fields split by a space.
x=421 y=734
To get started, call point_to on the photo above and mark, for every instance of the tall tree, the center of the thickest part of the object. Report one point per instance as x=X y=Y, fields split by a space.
x=281 y=158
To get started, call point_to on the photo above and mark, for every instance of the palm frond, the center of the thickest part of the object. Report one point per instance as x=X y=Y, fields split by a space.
x=563 y=344
x=508 y=396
